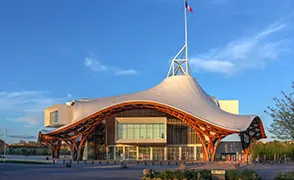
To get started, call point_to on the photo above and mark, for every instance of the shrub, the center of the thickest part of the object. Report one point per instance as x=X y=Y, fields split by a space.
x=285 y=176
x=179 y=174
x=204 y=175
x=243 y=174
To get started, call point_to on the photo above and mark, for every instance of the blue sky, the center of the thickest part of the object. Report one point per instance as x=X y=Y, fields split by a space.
x=56 y=51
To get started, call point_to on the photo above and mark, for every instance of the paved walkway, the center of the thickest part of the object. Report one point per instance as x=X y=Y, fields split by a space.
x=112 y=172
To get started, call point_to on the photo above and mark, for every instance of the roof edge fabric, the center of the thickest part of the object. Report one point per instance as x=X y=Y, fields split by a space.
x=180 y=92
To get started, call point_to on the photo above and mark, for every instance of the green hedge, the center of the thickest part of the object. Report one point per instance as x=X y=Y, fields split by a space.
x=285 y=176
x=179 y=174
x=204 y=175
x=242 y=174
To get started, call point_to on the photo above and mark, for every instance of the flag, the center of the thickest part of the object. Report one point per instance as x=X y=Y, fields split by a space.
x=188 y=6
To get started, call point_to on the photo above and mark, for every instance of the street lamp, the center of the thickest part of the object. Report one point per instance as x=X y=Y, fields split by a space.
x=5 y=136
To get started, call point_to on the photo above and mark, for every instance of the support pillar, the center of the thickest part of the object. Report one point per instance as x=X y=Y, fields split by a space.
x=180 y=153
x=195 y=153
x=151 y=153
x=138 y=155
x=55 y=148
x=165 y=153
x=107 y=152
x=114 y=153
x=124 y=152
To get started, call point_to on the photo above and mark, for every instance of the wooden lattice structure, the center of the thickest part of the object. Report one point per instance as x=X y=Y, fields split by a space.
x=210 y=136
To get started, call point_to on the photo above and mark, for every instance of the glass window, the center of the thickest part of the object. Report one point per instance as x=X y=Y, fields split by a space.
x=131 y=152
x=136 y=131
x=120 y=131
x=130 y=131
x=141 y=131
x=149 y=131
x=172 y=153
x=158 y=153
x=156 y=131
x=124 y=131
x=161 y=131
x=119 y=153
x=144 y=153
x=187 y=153
x=53 y=117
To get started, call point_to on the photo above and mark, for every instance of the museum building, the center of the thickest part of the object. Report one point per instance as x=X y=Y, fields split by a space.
x=175 y=120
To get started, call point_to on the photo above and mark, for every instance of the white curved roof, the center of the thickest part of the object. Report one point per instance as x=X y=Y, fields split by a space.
x=180 y=92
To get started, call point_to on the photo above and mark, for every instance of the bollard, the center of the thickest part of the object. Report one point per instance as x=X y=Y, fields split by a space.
x=152 y=163
x=137 y=162
x=68 y=165
x=63 y=161
x=106 y=162
x=99 y=162
x=78 y=162
x=145 y=163
x=114 y=162
x=168 y=163
x=92 y=162
x=161 y=163
x=85 y=162
x=176 y=162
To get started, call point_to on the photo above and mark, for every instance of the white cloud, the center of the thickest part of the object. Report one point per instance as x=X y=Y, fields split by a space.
x=252 y=52
x=212 y=65
x=97 y=66
x=27 y=106
x=94 y=65
x=126 y=72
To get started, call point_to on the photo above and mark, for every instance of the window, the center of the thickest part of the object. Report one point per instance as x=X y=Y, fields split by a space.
x=136 y=131
x=53 y=117
x=141 y=131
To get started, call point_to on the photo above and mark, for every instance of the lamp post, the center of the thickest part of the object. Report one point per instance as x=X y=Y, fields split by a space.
x=5 y=136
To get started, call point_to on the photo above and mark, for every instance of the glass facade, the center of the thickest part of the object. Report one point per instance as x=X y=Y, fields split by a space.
x=173 y=153
x=144 y=153
x=53 y=117
x=158 y=153
x=173 y=139
x=178 y=132
x=131 y=152
x=199 y=153
x=141 y=131
x=154 y=153
x=119 y=153
x=187 y=153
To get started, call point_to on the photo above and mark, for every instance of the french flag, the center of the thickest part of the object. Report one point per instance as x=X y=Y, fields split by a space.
x=188 y=6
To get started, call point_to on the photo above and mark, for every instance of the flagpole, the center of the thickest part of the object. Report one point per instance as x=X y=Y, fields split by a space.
x=186 y=37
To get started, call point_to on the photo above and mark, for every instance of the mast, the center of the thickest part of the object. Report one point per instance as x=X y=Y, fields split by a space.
x=186 y=36
x=180 y=65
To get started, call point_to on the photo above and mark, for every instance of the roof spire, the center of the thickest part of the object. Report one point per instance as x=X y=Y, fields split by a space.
x=180 y=65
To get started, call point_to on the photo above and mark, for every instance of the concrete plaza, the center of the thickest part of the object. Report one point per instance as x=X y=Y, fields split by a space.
x=88 y=171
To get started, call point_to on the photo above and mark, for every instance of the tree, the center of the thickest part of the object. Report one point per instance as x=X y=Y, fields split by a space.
x=283 y=116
